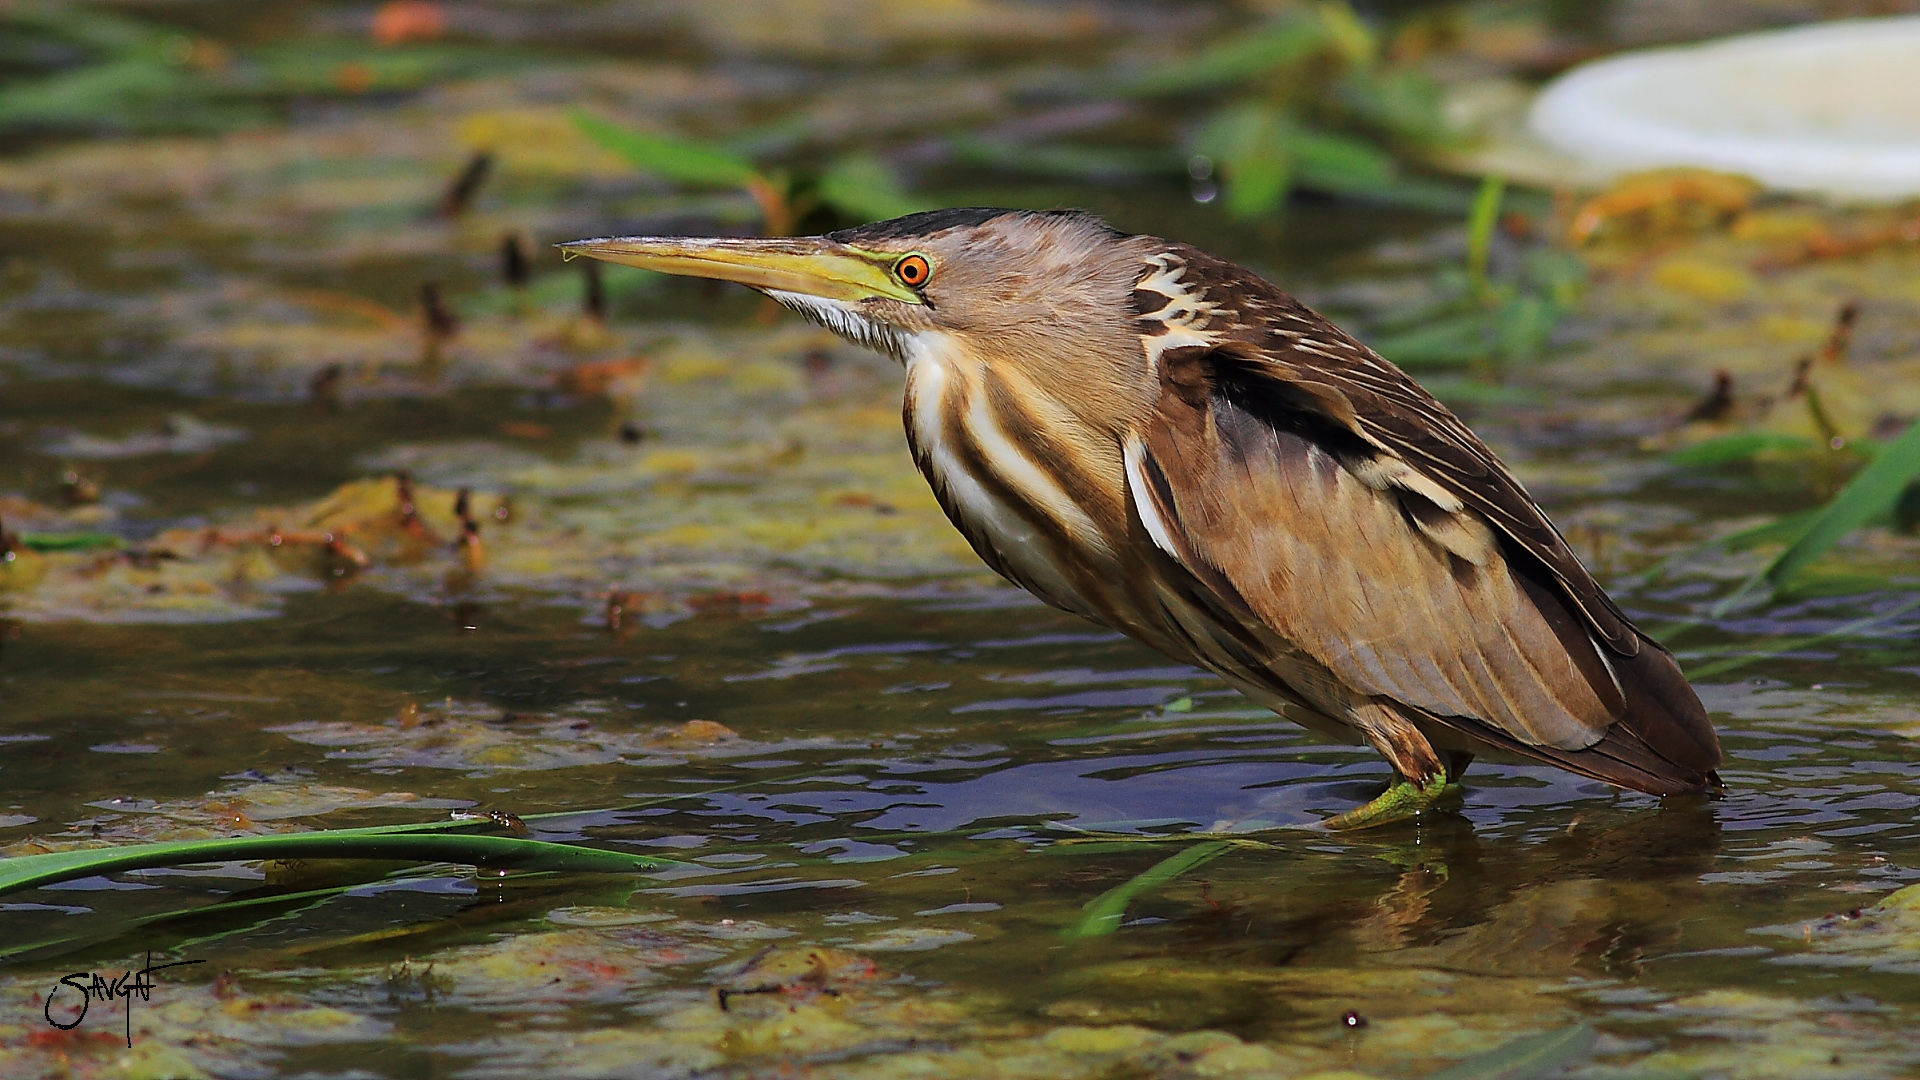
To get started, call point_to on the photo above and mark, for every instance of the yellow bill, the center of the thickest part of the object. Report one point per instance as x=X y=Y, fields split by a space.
x=811 y=266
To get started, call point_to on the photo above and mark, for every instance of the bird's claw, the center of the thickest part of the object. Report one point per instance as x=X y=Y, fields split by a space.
x=1404 y=800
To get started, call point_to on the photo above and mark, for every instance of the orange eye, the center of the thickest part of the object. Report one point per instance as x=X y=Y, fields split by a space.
x=913 y=270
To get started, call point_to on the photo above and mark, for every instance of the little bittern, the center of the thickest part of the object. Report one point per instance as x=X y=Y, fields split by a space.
x=1166 y=444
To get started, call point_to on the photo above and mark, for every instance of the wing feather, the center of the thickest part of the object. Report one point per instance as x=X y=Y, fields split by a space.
x=1316 y=367
x=1317 y=493
x=1336 y=566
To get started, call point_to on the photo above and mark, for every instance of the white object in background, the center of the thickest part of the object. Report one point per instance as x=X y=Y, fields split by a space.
x=1831 y=109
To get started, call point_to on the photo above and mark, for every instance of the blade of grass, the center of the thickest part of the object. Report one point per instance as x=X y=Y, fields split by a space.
x=408 y=843
x=678 y=160
x=1450 y=340
x=83 y=541
x=1857 y=626
x=1101 y=915
x=1738 y=447
x=862 y=186
x=1287 y=41
x=1523 y=1059
x=1480 y=222
x=1871 y=492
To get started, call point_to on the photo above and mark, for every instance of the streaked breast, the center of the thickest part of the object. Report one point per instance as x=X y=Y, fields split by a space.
x=974 y=440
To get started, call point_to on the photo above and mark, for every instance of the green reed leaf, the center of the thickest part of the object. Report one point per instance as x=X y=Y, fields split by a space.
x=679 y=160
x=399 y=843
x=1872 y=492
x=862 y=186
x=1453 y=339
x=1251 y=145
x=1101 y=916
x=82 y=541
x=1286 y=42
x=1738 y=447
x=1480 y=222
x=1782 y=531
x=1339 y=163
x=1523 y=1059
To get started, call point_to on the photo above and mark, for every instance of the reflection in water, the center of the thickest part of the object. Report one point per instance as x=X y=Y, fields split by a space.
x=925 y=826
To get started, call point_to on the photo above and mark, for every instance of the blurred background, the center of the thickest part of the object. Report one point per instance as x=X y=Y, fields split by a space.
x=330 y=496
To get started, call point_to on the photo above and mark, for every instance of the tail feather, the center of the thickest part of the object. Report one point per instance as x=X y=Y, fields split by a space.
x=1663 y=711
x=1662 y=743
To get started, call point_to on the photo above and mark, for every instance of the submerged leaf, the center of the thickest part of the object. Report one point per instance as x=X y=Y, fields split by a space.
x=1523 y=1059
x=1102 y=914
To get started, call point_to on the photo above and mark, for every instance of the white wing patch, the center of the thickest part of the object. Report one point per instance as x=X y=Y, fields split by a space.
x=1186 y=316
x=1135 y=454
x=1383 y=472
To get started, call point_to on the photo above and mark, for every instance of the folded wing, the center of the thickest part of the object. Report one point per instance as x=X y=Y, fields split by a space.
x=1316 y=488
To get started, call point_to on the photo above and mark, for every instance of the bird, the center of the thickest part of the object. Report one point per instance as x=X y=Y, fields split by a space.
x=1165 y=443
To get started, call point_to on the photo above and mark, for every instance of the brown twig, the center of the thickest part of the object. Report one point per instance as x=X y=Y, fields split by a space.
x=467 y=184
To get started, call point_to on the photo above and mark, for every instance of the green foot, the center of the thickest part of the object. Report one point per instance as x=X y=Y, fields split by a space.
x=1403 y=801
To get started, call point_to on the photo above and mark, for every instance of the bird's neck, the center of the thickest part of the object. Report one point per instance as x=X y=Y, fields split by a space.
x=1032 y=490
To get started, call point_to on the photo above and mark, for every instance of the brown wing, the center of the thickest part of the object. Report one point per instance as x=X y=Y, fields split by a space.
x=1395 y=596
x=1317 y=488
x=1316 y=368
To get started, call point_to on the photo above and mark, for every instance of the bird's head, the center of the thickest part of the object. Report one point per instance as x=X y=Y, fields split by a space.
x=1016 y=285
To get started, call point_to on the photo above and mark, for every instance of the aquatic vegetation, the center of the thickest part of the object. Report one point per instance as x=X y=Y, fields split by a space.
x=697 y=606
x=117 y=71
x=858 y=187
x=380 y=843
x=1320 y=103
x=1481 y=320
x=1883 y=937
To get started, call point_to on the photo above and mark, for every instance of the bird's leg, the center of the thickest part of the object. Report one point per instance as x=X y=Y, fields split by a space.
x=1420 y=780
x=1404 y=800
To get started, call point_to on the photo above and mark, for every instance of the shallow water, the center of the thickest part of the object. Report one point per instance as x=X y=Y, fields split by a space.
x=903 y=782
